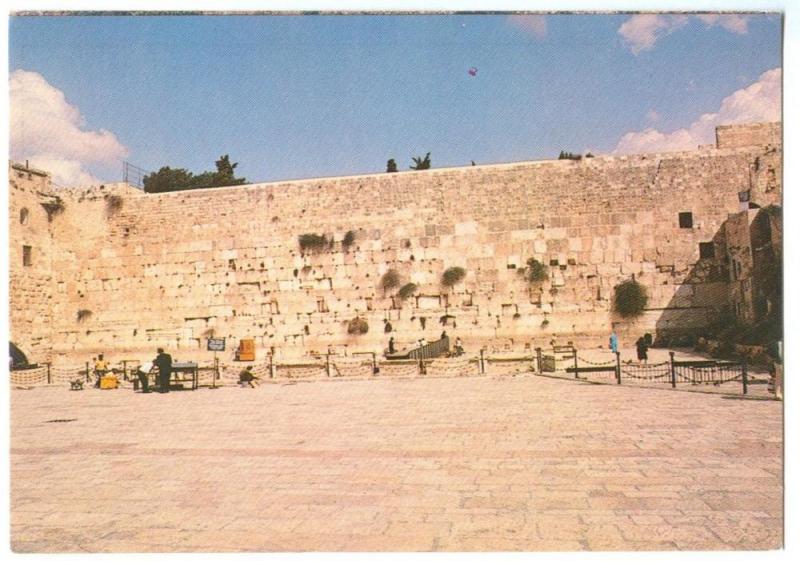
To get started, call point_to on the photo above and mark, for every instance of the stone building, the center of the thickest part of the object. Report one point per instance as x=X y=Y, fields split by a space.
x=111 y=269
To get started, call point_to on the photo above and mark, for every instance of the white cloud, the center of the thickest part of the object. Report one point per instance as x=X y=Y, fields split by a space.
x=732 y=22
x=535 y=25
x=641 y=32
x=48 y=131
x=760 y=101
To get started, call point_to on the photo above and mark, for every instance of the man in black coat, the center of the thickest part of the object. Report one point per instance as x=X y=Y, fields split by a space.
x=164 y=363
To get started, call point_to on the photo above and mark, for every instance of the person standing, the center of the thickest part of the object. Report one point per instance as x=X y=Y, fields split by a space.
x=641 y=349
x=391 y=345
x=163 y=362
x=100 y=369
x=613 y=341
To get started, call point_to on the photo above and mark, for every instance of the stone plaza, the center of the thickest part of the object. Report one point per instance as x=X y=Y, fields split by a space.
x=485 y=463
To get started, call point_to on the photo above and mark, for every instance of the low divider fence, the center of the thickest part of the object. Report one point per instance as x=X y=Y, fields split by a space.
x=672 y=372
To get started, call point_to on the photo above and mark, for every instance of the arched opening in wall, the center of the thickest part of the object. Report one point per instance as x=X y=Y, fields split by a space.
x=23 y=215
x=17 y=359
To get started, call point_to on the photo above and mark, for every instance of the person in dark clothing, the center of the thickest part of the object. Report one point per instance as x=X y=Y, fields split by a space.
x=164 y=364
x=246 y=376
x=141 y=374
x=391 y=345
x=641 y=349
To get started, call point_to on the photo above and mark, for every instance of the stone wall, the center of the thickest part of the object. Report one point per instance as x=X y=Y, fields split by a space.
x=173 y=269
x=749 y=134
x=30 y=270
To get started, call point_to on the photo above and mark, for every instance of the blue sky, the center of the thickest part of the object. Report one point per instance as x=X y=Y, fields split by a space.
x=310 y=96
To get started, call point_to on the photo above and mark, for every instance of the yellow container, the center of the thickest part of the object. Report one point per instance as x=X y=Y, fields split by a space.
x=247 y=349
x=109 y=382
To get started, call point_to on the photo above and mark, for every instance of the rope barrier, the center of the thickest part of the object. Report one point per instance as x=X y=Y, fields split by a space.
x=448 y=367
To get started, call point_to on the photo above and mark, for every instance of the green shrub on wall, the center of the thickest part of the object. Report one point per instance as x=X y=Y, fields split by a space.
x=630 y=298
x=312 y=242
x=349 y=239
x=390 y=280
x=407 y=290
x=357 y=326
x=535 y=271
x=113 y=204
x=453 y=276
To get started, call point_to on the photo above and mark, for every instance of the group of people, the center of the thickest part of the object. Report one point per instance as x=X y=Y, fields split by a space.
x=643 y=344
x=458 y=348
x=163 y=363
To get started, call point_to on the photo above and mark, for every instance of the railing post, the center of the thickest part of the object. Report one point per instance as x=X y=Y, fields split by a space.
x=328 y=364
x=482 y=365
x=374 y=365
x=619 y=370
x=744 y=376
x=215 y=373
x=49 y=381
x=87 y=373
x=575 y=361
x=672 y=367
x=271 y=369
x=539 y=359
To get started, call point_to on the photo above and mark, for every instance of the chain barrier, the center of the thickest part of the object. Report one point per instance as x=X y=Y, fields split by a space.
x=703 y=379
x=627 y=371
x=607 y=363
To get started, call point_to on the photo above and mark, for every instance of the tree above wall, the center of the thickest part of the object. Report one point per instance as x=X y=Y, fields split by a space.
x=168 y=179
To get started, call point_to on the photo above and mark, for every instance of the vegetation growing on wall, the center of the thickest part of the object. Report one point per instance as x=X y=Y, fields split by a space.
x=357 y=326
x=113 y=204
x=535 y=271
x=453 y=276
x=391 y=166
x=407 y=290
x=630 y=298
x=348 y=239
x=390 y=280
x=312 y=242
x=83 y=315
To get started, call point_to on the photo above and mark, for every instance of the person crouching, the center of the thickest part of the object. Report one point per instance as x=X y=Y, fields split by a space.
x=246 y=376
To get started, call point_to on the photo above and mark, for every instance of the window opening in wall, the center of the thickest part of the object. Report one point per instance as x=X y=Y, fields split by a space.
x=27 y=259
x=685 y=219
x=23 y=216
x=706 y=250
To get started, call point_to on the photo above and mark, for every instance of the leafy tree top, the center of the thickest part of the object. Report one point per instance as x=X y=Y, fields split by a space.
x=168 y=179
x=422 y=163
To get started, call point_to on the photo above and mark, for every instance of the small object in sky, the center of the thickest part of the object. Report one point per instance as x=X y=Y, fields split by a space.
x=472 y=71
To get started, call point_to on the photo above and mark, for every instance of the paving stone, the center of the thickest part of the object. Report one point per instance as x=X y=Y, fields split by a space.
x=394 y=465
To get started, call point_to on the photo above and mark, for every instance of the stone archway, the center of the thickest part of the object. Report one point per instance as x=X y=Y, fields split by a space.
x=17 y=358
